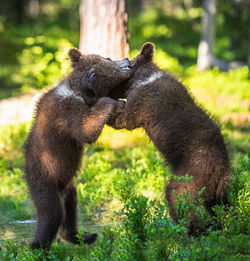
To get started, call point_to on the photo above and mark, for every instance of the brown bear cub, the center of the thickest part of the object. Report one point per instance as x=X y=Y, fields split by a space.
x=185 y=135
x=63 y=124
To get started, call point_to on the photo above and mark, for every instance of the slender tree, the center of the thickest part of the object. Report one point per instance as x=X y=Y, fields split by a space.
x=206 y=58
x=205 y=51
x=32 y=9
x=103 y=28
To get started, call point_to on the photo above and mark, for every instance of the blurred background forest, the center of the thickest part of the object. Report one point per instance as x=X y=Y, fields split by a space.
x=36 y=34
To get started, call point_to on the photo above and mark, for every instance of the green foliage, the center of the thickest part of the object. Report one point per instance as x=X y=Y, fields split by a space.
x=167 y=63
x=175 y=27
x=40 y=68
x=184 y=202
x=34 y=53
x=231 y=25
x=39 y=64
x=241 y=176
x=124 y=185
x=136 y=216
x=240 y=196
x=129 y=181
x=164 y=61
x=228 y=89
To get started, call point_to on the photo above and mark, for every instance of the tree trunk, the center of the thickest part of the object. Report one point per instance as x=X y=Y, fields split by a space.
x=32 y=9
x=103 y=28
x=205 y=51
x=206 y=58
x=19 y=9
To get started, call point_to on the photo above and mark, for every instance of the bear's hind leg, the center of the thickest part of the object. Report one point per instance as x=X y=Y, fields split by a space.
x=49 y=216
x=68 y=229
x=180 y=188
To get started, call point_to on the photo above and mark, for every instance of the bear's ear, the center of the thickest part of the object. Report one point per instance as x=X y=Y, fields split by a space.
x=74 y=56
x=147 y=50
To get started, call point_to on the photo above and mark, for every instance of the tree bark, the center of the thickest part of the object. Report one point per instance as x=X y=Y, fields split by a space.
x=19 y=9
x=103 y=28
x=205 y=51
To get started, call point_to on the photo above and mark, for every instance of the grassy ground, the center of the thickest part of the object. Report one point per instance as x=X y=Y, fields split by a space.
x=121 y=190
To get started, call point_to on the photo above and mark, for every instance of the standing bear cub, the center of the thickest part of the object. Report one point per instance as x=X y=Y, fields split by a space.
x=67 y=117
x=185 y=135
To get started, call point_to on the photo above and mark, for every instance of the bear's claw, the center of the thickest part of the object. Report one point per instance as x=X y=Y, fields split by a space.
x=90 y=73
x=124 y=64
x=90 y=77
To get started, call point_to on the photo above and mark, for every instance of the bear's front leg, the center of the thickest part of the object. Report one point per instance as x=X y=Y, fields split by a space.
x=117 y=111
x=123 y=119
x=96 y=118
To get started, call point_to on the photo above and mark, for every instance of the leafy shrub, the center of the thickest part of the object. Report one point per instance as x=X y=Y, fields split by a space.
x=236 y=219
x=221 y=92
x=124 y=185
x=39 y=68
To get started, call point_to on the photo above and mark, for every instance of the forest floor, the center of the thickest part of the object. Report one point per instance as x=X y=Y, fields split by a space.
x=120 y=189
x=18 y=109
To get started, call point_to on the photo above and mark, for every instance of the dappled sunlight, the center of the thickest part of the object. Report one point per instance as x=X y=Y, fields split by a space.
x=121 y=183
x=122 y=163
x=12 y=230
x=18 y=110
x=222 y=93
x=122 y=138
x=8 y=234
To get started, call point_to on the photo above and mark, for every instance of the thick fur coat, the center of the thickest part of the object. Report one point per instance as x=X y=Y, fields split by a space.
x=67 y=117
x=187 y=137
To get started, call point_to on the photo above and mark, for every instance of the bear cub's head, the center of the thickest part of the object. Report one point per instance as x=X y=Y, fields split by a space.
x=103 y=75
x=142 y=67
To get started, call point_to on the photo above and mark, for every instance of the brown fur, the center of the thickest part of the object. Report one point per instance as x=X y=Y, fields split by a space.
x=185 y=135
x=63 y=124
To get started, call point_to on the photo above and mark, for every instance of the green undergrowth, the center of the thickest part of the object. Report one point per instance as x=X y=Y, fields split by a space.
x=121 y=196
x=122 y=179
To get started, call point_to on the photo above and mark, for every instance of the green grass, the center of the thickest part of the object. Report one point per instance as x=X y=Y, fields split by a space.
x=121 y=193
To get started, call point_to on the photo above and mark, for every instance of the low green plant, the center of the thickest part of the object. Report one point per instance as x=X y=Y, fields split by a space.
x=129 y=180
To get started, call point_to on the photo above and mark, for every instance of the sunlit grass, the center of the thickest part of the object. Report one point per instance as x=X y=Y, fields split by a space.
x=123 y=164
x=117 y=139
